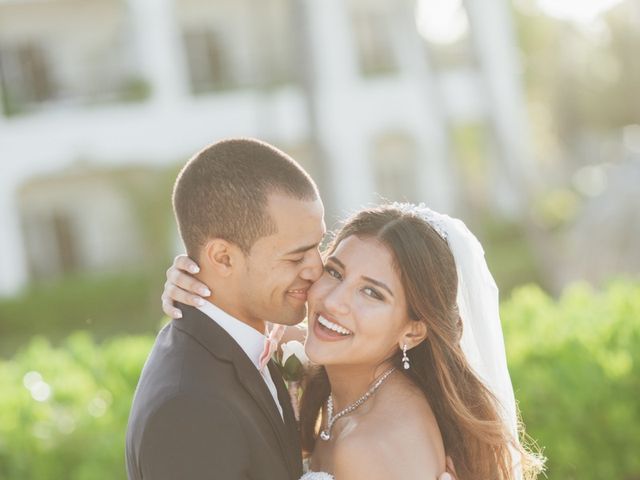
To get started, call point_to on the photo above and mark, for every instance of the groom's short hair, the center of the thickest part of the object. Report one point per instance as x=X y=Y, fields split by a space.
x=222 y=192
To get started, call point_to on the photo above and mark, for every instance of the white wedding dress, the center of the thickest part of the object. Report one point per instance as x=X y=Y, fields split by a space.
x=317 y=476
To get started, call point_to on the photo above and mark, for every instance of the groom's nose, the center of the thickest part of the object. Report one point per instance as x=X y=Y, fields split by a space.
x=313 y=267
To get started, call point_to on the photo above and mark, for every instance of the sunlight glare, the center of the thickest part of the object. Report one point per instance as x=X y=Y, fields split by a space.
x=441 y=22
x=581 y=11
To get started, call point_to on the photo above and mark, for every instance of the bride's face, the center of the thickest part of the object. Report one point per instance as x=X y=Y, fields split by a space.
x=357 y=309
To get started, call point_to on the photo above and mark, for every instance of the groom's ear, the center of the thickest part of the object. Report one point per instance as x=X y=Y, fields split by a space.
x=221 y=256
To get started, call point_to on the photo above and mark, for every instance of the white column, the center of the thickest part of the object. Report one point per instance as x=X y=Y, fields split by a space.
x=496 y=49
x=13 y=261
x=436 y=177
x=336 y=79
x=159 y=49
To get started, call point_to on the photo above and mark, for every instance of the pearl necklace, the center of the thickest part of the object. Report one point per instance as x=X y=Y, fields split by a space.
x=331 y=419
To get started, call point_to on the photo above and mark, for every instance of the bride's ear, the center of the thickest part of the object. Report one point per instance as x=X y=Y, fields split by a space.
x=415 y=332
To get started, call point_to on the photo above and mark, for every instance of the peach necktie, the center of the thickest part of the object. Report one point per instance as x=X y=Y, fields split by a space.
x=271 y=344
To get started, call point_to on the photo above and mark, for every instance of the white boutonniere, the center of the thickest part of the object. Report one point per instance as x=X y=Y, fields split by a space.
x=292 y=365
x=294 y=361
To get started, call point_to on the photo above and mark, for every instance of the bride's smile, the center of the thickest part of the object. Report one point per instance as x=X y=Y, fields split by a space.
x=330 y=329
x=357 y=308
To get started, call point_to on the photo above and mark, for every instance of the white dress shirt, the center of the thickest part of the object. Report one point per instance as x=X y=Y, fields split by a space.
x=250 y=340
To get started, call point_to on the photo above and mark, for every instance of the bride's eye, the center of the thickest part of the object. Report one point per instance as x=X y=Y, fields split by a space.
x=373 y=293
x=333 y=272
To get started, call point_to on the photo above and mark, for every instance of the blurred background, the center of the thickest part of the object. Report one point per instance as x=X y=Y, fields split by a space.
x=522 y=117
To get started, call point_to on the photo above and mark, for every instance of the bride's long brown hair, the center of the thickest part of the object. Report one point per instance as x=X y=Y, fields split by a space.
x=474 y=436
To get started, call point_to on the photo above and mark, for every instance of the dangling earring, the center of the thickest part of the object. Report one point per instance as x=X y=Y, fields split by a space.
x=405 y=360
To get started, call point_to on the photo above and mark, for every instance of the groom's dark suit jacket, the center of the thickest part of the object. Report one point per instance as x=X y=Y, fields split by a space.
x=202 y=411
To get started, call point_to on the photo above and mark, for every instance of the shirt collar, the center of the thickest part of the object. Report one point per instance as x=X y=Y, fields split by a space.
x=250 y=340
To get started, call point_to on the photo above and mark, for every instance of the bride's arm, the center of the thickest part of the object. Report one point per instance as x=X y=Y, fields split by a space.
x=181 y=286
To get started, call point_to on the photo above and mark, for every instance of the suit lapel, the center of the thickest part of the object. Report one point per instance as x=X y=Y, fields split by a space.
x=254 y=384
x=222 y=346
x=294 y=450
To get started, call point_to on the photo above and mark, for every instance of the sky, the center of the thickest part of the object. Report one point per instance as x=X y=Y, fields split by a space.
x=443 y=22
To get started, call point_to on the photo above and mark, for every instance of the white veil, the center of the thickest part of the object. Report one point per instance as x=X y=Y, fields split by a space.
x=482 y=340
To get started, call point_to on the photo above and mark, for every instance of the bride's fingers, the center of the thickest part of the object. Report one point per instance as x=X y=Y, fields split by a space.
x=184 y=263
x=186 y=282
x=168 y=308
x=172 y=293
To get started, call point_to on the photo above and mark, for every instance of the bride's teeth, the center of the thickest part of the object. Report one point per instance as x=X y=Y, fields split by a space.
x=332 y=326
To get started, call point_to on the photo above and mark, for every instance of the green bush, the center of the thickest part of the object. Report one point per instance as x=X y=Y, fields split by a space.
x=63 y=411
x=574 y=362
x=104 y=305
x=575 y=365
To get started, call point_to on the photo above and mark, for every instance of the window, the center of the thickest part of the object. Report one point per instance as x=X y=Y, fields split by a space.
x=374 y=41
x=472 y=151
x=209 y=69
x=395 y=167
x=25 y=77
x=51 y=243
x=64 y=239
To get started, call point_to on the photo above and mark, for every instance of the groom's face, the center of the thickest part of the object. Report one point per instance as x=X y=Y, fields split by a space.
x=282 y=267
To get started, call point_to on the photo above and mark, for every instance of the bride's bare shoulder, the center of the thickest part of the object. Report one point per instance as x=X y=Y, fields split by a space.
x=397 y=438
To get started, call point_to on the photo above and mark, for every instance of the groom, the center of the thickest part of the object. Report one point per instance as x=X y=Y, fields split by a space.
x=205 y=405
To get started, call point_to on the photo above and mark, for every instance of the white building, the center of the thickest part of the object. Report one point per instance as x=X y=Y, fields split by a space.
x=349 y=88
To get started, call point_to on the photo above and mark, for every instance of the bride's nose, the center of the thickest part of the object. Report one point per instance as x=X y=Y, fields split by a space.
x=337 y=300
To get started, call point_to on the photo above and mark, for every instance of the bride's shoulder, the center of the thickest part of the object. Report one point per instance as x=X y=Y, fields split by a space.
x=407 y=412
x=398 y=438
x=359 y=457
x=385 y=453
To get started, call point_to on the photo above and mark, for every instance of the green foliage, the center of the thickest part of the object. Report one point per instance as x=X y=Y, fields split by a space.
x=574 y=362
x=579 y=78
x=575 y=365
x=77 y=432
x=125 y=303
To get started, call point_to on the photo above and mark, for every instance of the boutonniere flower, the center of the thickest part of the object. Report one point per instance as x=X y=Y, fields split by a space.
x=294 y=361
x=292 y=365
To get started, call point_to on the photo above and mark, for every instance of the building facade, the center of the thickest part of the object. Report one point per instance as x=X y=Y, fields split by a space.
x=349 y=88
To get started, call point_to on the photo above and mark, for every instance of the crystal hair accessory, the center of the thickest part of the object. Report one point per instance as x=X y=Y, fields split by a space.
x=425 y=213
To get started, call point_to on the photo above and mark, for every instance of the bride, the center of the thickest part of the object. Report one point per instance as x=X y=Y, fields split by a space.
x=404 y=329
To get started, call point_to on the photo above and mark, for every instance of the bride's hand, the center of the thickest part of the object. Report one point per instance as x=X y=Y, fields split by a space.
x=182 y=287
